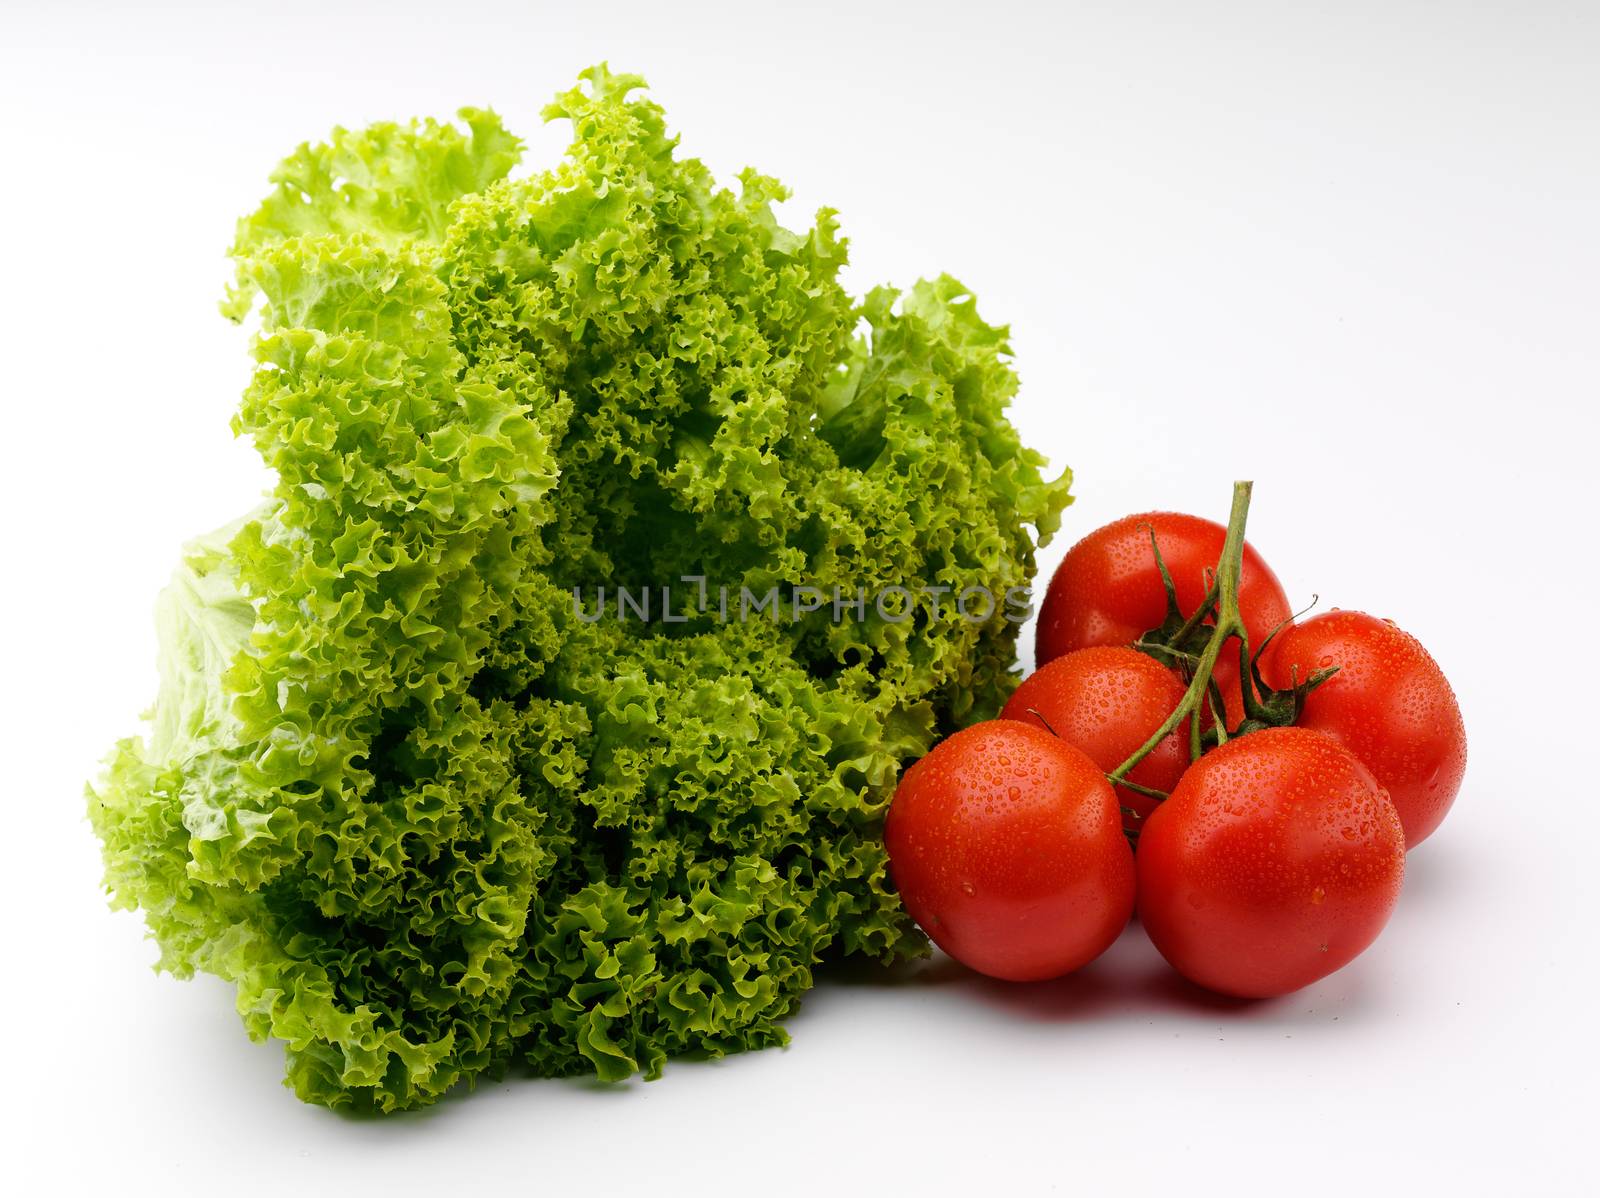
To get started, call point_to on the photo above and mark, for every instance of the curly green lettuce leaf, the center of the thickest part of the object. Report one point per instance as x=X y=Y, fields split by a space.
x=393 y=183
x=430 y=823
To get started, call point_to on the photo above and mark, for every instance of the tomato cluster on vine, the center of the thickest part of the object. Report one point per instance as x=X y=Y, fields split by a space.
x=1248 y=783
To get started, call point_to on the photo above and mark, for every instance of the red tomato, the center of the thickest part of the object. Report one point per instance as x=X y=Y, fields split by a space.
x=1107 y=590
x=1007 y=848
x=1108 y=701
x=1389 y=704
x=1276 y=861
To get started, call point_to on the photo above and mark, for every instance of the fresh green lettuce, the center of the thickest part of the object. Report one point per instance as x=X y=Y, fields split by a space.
x=430 y=823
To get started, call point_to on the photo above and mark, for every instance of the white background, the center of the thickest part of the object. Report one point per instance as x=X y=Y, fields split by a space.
x=1353 y=255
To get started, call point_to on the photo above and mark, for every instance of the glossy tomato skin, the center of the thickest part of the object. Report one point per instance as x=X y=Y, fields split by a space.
x=1108 y=701
x=1390 y=704
x=1108 y=591
x=1276 y=861
x=1007 y=848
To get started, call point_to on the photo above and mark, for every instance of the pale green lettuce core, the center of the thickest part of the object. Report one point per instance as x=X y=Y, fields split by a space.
x=430 y=824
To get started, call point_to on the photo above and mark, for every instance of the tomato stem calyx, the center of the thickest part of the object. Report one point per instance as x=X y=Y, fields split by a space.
x=1039 y=715
x=1179 y=640
x=1265 y=707
x=1191 y=646
x=1224 y=597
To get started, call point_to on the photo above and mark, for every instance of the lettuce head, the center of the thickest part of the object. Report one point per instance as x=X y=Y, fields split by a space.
x=431 y=822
